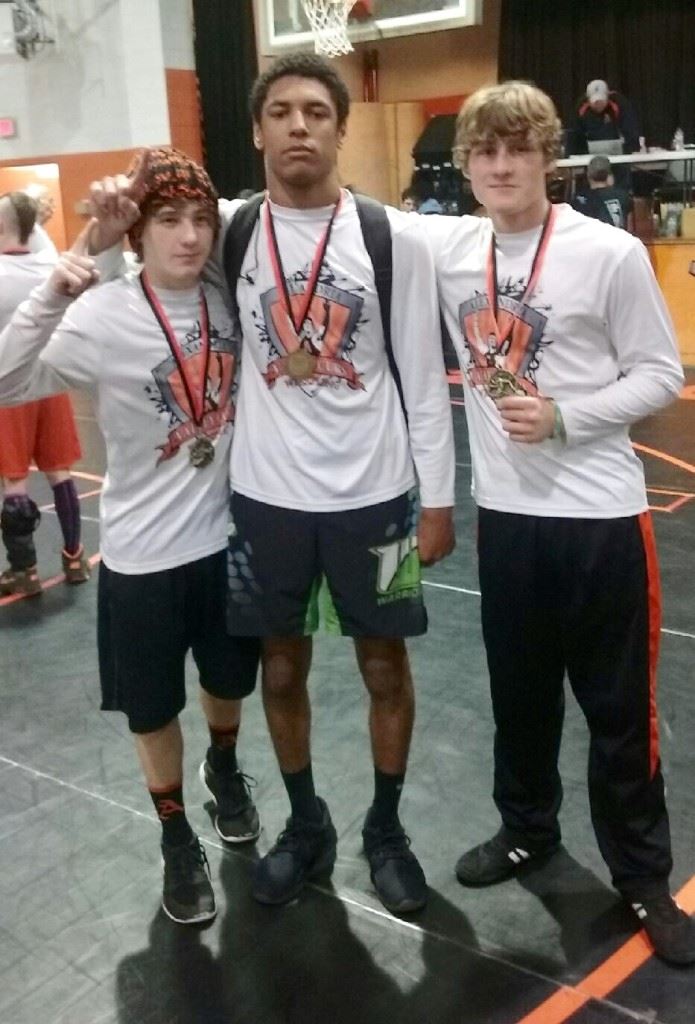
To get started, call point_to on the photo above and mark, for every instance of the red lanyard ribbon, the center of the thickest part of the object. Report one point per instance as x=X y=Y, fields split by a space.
x=196 y=397
x=279 y=273
x=534 y=275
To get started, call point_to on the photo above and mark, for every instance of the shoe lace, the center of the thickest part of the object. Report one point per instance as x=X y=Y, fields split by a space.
x=182 y=862
x=236 y=787
x=392 y=843
x=295 y=835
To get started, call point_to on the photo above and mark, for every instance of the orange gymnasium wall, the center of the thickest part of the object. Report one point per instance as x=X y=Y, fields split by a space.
x=184 y=112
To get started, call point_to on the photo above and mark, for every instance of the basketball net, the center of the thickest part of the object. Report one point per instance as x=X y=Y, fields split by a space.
x=329 y=24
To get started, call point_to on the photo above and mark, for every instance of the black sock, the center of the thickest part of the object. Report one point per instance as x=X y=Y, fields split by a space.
x=168 y=803
x=387 y=794
x=221 y=755
x=300 y=790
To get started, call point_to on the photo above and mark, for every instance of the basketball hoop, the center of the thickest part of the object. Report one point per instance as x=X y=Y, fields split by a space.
x=329 y=23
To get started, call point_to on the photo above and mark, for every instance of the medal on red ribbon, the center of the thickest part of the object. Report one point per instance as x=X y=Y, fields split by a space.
x=202 y=451
x=503 y=383
x=302 y=362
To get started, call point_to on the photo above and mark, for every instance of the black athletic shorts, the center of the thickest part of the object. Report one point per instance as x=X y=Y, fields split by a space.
x=146 y=626
x=358 y=570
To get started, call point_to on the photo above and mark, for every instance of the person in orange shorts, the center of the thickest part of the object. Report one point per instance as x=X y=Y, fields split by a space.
x=42 y=432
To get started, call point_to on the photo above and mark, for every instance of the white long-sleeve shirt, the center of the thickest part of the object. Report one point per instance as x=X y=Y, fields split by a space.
x=595 y=336
x=20 y=273
x=157 y=510
x=340 y=440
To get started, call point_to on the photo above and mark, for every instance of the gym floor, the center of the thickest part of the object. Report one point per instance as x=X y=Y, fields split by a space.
x=82 y=937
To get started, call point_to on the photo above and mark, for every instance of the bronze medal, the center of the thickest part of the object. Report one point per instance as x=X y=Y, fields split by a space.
x=502 y=384
x=201 y=453
x=301 y=364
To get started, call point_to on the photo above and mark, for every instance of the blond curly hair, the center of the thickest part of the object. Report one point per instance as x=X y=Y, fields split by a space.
x=517 y=111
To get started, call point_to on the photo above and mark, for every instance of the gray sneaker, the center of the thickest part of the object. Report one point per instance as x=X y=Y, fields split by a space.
x=187 y=896
x=236 y=817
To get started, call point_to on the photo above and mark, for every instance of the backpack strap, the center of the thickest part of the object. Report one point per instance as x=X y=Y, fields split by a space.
x=236 y=242
x=376 y=232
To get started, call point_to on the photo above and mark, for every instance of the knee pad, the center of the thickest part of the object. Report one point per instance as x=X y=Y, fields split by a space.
x=18 y=520
x=20 y=516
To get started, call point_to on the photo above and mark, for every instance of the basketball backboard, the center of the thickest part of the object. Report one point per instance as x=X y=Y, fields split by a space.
x=283 y=25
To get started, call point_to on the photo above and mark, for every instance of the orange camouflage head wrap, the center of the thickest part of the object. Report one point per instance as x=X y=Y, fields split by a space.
x=171 y=176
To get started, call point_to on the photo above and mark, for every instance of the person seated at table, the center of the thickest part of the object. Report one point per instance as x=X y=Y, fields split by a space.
x=604 y=200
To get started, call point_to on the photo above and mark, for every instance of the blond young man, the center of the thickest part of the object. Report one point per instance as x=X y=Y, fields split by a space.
x=564 y=342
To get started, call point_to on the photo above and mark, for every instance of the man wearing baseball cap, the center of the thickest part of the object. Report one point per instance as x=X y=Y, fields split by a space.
x=604 y=115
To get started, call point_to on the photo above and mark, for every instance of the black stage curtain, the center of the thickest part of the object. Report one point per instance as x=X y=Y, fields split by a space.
x=226 y=64
x=644 y=49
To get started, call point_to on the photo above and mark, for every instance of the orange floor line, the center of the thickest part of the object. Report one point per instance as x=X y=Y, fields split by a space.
x=607 y=977
x=53 y=581
x=665 y=456
x=78 y=473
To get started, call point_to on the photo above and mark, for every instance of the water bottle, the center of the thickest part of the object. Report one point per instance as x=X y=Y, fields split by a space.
x=678 y=139
x=671 y=226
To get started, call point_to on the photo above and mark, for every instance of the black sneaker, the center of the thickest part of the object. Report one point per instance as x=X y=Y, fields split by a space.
x=395 y=870
x=497 y=859
x=670 y=930
x=236 y=820
x=187 y=896
x=304 y=850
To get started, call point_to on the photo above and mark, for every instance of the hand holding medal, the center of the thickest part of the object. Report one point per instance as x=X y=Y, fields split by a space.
x=527 y=419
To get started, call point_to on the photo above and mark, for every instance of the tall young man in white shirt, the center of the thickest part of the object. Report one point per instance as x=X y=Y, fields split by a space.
x=158 y=353
x=326 y=462
x=564 y=342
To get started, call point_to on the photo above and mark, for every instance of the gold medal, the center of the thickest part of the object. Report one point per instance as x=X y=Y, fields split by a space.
x=301 y=364
x=201 y=453
x=502 y=384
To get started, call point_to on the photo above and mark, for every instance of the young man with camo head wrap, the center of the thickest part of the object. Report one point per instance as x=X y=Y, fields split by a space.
x=158 y=352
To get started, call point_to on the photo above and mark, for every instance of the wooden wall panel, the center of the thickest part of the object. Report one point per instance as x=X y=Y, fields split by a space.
x=671 y=261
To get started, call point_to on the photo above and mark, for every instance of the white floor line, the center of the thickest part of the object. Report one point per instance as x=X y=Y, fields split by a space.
x=447 y=586
x=381 y=915
x=476 y=593
x=678 y=632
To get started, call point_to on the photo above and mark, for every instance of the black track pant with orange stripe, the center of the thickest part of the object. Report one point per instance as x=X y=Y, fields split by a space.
x=580 y=597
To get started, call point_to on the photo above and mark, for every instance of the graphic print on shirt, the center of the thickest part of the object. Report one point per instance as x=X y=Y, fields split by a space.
x=521 y=349
x=615 y=211
x=327 y=332
x=169 y=393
